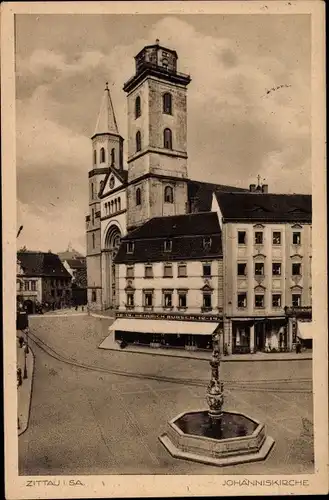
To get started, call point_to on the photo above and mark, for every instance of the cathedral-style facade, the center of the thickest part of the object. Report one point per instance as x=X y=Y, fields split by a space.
x=155 y=182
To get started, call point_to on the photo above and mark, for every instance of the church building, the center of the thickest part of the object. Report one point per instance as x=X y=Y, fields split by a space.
x=156 y=239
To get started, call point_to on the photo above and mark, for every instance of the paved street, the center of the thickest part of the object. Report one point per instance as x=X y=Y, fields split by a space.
x=101 y=412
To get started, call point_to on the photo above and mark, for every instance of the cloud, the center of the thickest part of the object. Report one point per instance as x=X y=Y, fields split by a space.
x=236 y=129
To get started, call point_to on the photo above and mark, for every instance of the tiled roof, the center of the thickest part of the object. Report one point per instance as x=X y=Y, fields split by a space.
x=80 y=279
x=177 y=225
x=265 y=207
x=76 y=263
x=186 y=232
x=200 y=194
x=42 y=264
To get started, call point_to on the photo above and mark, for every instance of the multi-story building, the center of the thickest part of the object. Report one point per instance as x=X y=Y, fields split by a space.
x=170 y=271
x=42 y=279
x=267 y=248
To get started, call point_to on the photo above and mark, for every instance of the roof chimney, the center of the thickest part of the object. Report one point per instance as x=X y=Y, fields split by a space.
x=265 y=188
x=252 y=188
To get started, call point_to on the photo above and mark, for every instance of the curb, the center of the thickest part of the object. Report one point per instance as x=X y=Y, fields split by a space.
x=22 y=430
x=95 y=315
x=203 y=358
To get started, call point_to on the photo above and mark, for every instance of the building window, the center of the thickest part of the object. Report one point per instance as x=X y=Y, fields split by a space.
x=130 y=299
x=259 y=268
x=242 y=300
x=53 y=293
x=242 y=237
x=296 y=237
x=276 y=269
x=92 y=190
x=182 y=299
x=259 y=300
x=167 y=298
x=296 y=299
x=167 y=245
x=112 y=157
x=167 y=271
x=138 y=107
x=148 y=271
x=115 y=205
x=276 y=238
x=182 y=273
x=167 y=103
x=138 y=196
x=92 y=216
x=129 y=271
x=33 y=286
x=258 y=237
x=112 y=207
x=167 y=138
x=207 y=306
x=119 y=204
x=276 y=300
x=102 y=155
x=242 y=269
x=93 y=296
x=168 y=194
x=59 y=292
x=26 y=286
x=95 y=156
x=130 y=247
x=138 y=141
x=148 y=298
x=296 y=269
x=207 y=243
x=93 y=239
x=206 y=270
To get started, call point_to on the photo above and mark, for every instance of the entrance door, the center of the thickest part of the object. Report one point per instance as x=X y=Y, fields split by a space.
x=259 y=336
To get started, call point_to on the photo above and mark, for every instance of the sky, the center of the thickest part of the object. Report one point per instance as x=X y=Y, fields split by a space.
x=249 y=105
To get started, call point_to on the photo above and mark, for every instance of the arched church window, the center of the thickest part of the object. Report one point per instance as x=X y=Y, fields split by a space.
x=93 y=238
x=102 y=153
x=95 y=156
x=167 y=138
x=112 y=157
x=112 y=204
x=169 y=194
x=119 y=204
x=138 y=196
x=92 y=190
x=138 y=111
x=138 y=141
x=167 y=103
x=115 y=205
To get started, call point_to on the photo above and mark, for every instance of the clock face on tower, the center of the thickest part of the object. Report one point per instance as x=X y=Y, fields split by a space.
x=112 y=181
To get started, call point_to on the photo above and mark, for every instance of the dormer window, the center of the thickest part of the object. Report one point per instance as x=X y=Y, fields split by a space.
x=207 y=243
x=167 y=245
x=130 y=247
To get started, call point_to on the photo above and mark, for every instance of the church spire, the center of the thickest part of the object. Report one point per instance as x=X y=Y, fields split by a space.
x=106 y=122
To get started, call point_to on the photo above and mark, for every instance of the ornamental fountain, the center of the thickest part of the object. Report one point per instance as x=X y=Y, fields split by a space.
x=215 y=436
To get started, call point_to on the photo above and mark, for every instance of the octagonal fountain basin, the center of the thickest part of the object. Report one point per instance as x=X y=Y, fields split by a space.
x=233 y=439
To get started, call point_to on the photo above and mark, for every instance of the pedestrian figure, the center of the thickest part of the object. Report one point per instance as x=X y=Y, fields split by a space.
x=19 y=377
x=82 y=308
x=20 y=341
x=76 y=308
x=298 y=347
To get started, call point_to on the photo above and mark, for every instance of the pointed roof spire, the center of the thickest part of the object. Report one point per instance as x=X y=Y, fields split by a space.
x=106 y=122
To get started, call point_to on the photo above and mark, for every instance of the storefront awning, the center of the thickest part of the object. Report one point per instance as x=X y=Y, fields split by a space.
x=305 y=330
x=165 y=327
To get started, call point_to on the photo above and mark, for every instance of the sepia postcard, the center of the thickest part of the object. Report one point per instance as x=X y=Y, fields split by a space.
x=164 y=249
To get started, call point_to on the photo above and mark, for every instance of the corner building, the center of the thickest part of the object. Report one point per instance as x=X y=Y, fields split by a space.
x=162 y=251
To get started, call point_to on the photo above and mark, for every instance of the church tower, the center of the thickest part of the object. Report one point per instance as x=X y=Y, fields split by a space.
x=157 y=136
x=107 y=153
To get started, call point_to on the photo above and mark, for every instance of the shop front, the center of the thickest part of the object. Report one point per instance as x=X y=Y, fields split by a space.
x=259 y=335
x=172 y=334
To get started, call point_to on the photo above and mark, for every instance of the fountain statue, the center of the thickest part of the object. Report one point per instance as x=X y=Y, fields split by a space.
x=215 y=436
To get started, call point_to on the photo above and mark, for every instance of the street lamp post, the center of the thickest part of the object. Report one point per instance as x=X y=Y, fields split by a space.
x=26 y=350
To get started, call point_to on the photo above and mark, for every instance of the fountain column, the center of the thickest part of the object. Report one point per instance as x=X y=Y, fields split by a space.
x=215 y=396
